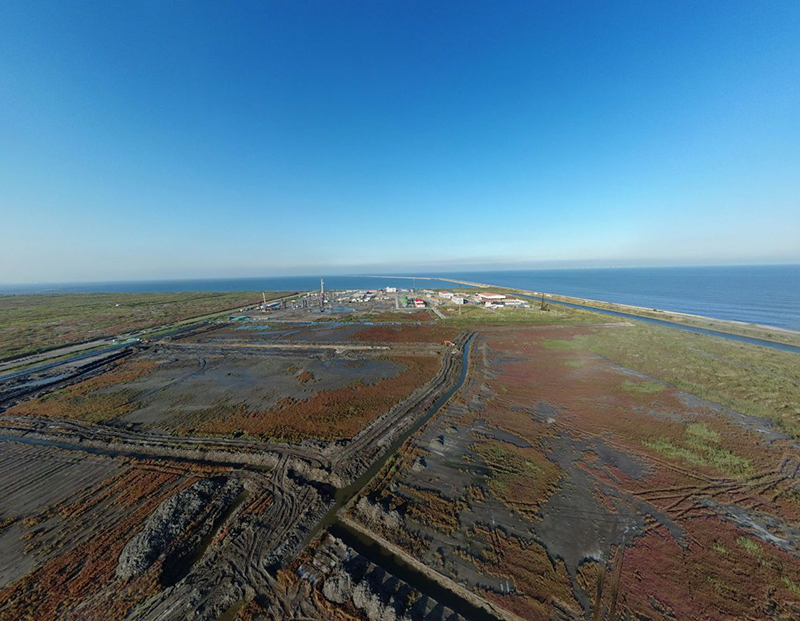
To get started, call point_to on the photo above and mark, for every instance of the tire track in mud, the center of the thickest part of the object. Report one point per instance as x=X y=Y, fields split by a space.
x=688 y=500
x=379 y=433
x=244 y=565
x=203 y=366
x=287 y=506
x=97 y=438
x=239 y=565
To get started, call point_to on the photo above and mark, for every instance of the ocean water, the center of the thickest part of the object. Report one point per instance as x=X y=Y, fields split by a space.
x=766 y=294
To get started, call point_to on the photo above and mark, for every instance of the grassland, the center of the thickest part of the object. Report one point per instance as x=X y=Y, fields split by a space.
x=30 y=323
x=470 y=315
x=406 y=334
x=753 y=380
x=576 y=440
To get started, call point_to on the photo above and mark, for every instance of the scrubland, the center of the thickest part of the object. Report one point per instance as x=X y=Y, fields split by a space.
x=30 y=323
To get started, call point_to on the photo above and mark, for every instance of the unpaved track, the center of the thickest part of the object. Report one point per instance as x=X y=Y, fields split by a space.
x=284 y=504
x=280 y=345
x=243 y=566
x=235 y=451
x=367 y=445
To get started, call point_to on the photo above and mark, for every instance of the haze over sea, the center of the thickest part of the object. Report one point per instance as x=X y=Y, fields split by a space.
x=765 y=294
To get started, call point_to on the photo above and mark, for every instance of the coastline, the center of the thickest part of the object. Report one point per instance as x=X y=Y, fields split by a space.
x=730 y=326
x=773 y=334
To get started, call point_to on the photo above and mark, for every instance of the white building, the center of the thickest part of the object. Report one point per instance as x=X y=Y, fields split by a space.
x=491 y=297
x=458 y=300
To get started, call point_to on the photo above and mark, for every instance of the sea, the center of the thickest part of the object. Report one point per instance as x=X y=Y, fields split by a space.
x=764 y=294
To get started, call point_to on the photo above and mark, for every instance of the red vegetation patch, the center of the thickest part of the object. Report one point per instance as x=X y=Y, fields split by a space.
x=305 y=377
x=415 y=316
x=538 y=581
x=630 y=444
x=88 y=570
x=329 y=414
x=599 y=400
x=723 y=574
x=433 y=509
x=84 y=401
x=691 y=452
x=522 y=478
x=406 y=334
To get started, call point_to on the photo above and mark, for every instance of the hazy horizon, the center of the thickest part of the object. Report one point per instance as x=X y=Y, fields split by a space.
x=422 y=271
x=154 y=142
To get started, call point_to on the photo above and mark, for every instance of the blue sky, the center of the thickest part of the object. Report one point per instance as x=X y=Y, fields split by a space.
x=190 y=139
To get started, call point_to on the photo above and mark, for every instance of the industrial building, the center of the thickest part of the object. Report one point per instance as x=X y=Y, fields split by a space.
x=490 y=297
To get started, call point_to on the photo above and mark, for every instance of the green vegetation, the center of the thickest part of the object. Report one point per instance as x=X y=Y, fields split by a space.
x=646 y=388
x=752 y=547
x=708 y=323
x=701 y=447
x=754 y=380
x=701 y=430
x=562 y=345
x=720 y=549
x=699 y=453
x=790 y=585
x=471 y=315
x=30 y=323
x=720 y=586
x=665 y=446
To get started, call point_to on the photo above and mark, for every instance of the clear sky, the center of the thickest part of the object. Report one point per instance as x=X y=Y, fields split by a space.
x=151 y=139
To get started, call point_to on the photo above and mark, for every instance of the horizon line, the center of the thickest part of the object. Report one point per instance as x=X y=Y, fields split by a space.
x=403 y=275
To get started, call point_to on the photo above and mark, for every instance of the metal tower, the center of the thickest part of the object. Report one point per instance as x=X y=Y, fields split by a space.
x=321 y=294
